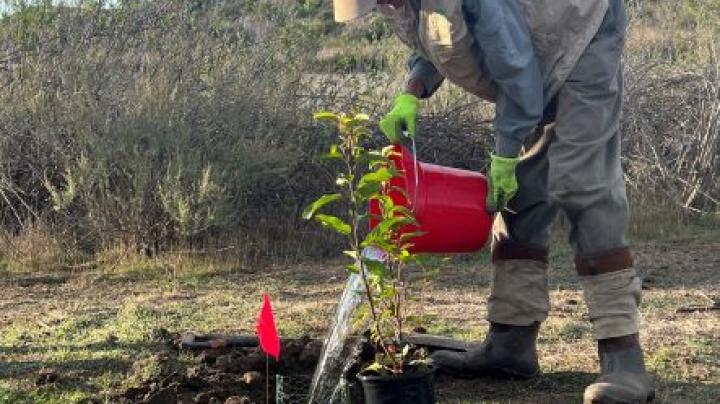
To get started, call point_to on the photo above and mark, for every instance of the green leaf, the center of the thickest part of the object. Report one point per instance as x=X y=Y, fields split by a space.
x=385 y=201
x=380 y=175
x=391 y=224
x=326 y=115
x=376 y=162
x=387 y=204
x=333 y=154
x=388 y=151
x=374 y=179
x=374 y=367
x=411 y=235
x=402 y=211
x=352 y=268
x=366 y=191
x=319 y=203
x=373 y=239
x=355 y=121
x=376 y=268
x=334 y=223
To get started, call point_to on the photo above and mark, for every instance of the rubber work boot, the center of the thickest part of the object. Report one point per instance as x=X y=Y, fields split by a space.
x=623 y=378
x=508 y=352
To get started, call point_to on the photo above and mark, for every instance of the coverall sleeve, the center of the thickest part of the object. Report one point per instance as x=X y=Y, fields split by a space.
x=424 y=71
x=509 y=59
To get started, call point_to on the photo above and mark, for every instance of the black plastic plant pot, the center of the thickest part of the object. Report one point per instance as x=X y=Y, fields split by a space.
x=412 y=387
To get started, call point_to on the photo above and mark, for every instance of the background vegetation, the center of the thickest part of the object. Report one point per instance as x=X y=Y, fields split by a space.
x=152 y=152
x=184 y=127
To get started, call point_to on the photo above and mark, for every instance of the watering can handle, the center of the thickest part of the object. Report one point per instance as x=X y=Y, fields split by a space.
x=543 y=135
x=415 y=169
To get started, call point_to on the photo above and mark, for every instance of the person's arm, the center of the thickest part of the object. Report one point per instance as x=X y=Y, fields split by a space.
x=423 y=78
x=422 y=82
x=510 y=61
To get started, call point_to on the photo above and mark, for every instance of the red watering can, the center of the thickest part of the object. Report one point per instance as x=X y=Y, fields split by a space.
x=448 y=203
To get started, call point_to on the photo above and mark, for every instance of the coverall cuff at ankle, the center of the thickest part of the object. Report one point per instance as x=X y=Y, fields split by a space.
x=604 y=262
x=613 y=299
x=519 y=292
x=505 y=249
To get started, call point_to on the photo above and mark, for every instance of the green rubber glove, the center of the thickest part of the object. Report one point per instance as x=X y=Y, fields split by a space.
x=400 y=118
x=502 y=181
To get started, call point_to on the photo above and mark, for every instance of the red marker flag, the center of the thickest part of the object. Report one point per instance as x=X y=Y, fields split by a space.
x=266 y=331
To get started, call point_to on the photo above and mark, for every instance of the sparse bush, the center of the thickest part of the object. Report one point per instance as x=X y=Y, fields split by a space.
x=154 y=123
x=160 y=125
x=37 y=247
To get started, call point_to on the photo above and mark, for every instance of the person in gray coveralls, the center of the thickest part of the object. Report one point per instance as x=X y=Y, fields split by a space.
x=553 y=70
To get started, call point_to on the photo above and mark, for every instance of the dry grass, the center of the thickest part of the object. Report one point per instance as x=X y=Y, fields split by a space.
x=68 y=321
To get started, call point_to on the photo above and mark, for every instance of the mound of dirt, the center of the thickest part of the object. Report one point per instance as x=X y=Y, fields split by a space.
x=223 y=375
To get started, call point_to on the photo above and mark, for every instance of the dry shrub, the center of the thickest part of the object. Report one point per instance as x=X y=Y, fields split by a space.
x=159 y=126
x=672 y=125
x=38 y=247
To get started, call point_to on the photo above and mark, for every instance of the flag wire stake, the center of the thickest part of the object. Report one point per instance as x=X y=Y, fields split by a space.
x=267 y=378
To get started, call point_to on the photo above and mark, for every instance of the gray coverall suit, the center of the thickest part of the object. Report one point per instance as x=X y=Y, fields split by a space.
x=578 y=172
x=519 y=45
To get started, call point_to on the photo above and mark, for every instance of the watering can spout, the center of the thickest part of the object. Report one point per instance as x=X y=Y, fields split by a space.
x=449 y=205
